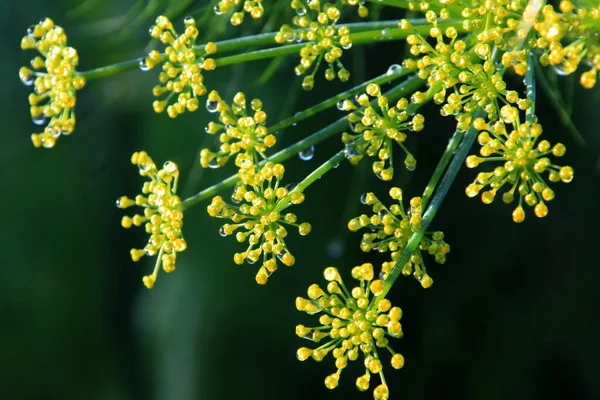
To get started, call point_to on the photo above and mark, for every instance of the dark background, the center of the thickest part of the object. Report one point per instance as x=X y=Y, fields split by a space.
x=512 y=314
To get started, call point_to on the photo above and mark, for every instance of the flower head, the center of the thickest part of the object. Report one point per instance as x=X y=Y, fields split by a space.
x=182 y=65
x=260 y=219
x=392 y=228
x=524 y=159
x=377 y=129
x=570 y=37
x=162 y=216
x=327 y=41
x=54 y=88
x=241 y=132
x=252 y=7
x=352 y=322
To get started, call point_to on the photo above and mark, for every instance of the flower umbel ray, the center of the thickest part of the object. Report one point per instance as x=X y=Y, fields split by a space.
x=392 y=228
x=260 y=219
x=351 y=327
x=53 y=100
x=161 y=218
x=524 y=160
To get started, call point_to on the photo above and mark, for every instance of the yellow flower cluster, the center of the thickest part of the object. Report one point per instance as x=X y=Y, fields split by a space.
x=162 y=217
x=261 y=216
x=468 y=73
x=376 y=130
x=326 y=41
x=571 y=37
x=353 y=323
x=524 y=159
x=181 y=77
x=392 y=229
x=240 y=132
x=252 y=7
x=54 y=89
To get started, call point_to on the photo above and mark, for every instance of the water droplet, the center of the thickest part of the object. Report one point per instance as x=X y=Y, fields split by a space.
x=213 y=163
x=250 y=261
x=336 y=165
x=217 y=10
x=212 y=106
x=347 y=45
x=281 y=254
x=363 y=198
x=119 y=202
x=300 y=11
x=340 y=105
x=56 y=132
x=222 y=232
x=384 y=33
x=234 y=199
x=560 y=69
x=309 y=336
x=382 y=213
x=382 y=276
x=307 y=154
x=291 y=186
x=40 y=120
x=188 y=20
x=143 y=65
x=350 y=150
x=269 y=272
x=30 y=29
x=394 y=69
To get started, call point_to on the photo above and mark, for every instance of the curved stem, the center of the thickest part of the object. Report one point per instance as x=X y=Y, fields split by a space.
x=362 y=33
x=438 y=198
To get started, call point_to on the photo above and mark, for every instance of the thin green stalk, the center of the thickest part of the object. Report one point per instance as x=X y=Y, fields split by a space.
x=530 y=90
x=324 y=105
x=438 y=198
x=363 y=32
x=556 y=103
x=401 y=90
x=316 y=174
x=441 y=167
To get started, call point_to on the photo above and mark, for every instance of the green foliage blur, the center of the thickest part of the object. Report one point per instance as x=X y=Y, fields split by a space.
x=513 y=314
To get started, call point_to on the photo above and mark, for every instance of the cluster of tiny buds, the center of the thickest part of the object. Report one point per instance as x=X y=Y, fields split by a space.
x=524 y=160
x=54 y=89
x=376 y=130
x=353 y=321
x=258 y=217
x=240 y=132
x=252 y=7
x=327 y=41
x=570 y=37
x=181 y=77
x=162 y=217
x=392 y=228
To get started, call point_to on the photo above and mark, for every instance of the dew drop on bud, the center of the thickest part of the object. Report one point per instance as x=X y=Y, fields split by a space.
x=309 y=336
x=119 y=202
x=40 y=120
x=143 y=65
x=217 y=10
x=222 y=232
x=394 y=69
x=213 y=163
x=212 y=106
x=307 y=154
x=291 y=186
x=363 y=198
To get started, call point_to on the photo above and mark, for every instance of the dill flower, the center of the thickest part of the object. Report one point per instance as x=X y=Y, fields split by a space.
x=54 y=98
x=524 y=159
x=181 y=77
x=162 y=217
x=252 y=7
x=468 y=73
x=391 y=229
x=327 y=41
x=571 y=37
x=260 y=219
x=240 y=132
x=352 y=323
x=376 y=130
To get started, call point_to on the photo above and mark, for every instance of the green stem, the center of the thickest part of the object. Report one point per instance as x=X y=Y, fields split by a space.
x=324 y=105
x=441 y=167
x=316 y=174
x=530 y=90
x=556 y=103
x=401 y=90
x=438 y=198
x=363 y=32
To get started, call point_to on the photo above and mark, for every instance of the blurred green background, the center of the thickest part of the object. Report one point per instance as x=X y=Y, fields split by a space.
x=512 y=314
